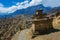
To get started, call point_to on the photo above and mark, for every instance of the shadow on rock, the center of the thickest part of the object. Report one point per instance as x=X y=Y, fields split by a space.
x=45 y=32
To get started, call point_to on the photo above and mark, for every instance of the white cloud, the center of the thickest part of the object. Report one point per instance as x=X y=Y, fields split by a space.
x=35 y=2
x=12 y=8
x=7 y=10
x=3 y=10
x=26 y=3
x=18 y=6
x=51 y=3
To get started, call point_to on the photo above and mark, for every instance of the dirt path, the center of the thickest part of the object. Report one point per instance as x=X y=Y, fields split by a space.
x=24 y=36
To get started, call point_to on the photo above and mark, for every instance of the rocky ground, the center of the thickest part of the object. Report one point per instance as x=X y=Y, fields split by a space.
x=25 y=34
x=9 y=26
x=53 y=35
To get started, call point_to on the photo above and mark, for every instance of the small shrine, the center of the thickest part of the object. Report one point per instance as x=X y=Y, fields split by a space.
x=41 y=22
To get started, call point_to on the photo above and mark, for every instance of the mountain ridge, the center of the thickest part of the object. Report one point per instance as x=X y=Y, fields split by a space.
x=29 y=11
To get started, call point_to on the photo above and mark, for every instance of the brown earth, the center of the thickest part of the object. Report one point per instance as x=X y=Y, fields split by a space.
x=53 y=35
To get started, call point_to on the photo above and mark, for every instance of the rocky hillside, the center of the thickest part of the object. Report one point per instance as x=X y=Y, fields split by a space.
x=9 y=26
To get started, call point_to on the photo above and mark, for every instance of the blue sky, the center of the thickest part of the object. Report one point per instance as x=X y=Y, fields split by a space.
x=8 y=3
x=10 y=6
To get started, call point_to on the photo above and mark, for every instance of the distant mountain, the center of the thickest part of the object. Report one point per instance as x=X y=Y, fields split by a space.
x=53 y=10
x=30 y=11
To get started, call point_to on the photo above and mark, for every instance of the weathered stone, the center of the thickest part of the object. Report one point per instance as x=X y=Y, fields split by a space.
x=41 y=22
